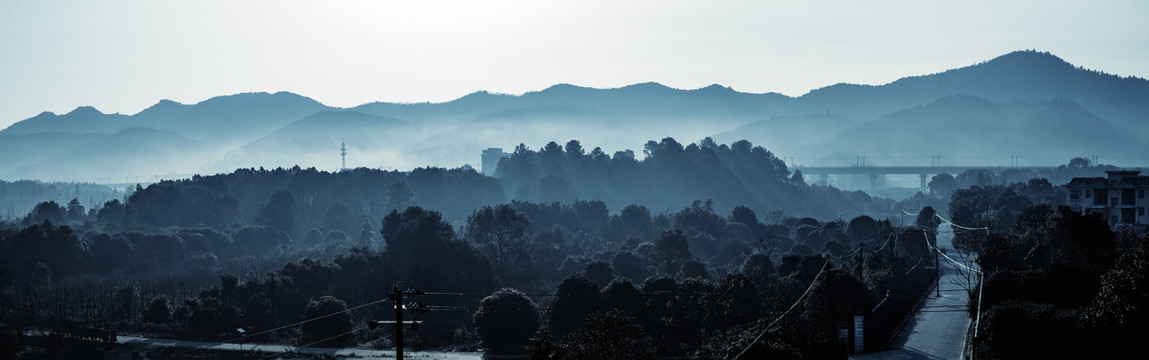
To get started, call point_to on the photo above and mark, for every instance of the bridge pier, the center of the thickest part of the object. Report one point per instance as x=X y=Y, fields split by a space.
x=923 y=181
x=873 y=182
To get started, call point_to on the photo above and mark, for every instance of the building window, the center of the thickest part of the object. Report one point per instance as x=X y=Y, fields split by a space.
x=1140 y=211
x=1088 y=193
x=1074 y=195
x=1140 y=194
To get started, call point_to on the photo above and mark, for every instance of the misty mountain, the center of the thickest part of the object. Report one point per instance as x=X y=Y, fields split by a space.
x=1064 y=126
x=1017 y=76
x=654 y=99
x=37 y=147
x=1024 y=103
x=242 y=117
x=789 y=134
x=136 y=151
x=645 y=99
x=977 y=128
x=315 y=140
x=84 y=119
x=163 y=112
x=455 y=132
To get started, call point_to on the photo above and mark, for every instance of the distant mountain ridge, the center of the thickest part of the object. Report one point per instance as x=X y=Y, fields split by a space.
x=1024 y=97
x=1017 y=76
x=963 y=125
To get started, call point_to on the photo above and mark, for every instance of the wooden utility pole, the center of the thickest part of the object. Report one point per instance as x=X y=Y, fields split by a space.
x=398 y=323
x=937 y=270
x=396 y=297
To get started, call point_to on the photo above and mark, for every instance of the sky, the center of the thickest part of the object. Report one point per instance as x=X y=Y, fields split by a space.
x=123 y=56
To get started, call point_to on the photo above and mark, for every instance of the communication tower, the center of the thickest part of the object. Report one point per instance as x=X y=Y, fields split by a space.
x=343 y=154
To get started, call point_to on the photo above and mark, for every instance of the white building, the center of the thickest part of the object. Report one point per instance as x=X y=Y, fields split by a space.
x=1120 y=198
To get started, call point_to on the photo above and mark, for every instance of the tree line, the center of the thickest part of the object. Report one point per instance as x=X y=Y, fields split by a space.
x=684 y=279
x=687 y=277
x=1051 y=275
x=671 y=174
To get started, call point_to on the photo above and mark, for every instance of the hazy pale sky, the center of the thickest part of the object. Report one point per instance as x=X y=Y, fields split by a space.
x=123 y=56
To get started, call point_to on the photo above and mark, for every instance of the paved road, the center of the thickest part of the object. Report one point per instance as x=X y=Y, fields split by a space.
x=339 y=353
x=938 y=330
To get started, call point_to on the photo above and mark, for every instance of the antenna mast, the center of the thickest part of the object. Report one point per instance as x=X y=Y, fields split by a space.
x=343 y=154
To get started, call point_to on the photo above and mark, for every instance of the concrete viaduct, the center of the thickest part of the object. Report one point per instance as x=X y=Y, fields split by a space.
x=923 y=171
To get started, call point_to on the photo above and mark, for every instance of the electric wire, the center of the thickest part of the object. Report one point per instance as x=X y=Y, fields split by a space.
x=943 y=254
x=780 y=317
x=770 y=326
x=296 y=348
x=348 y=310
x=959 y=226
x=888 y=240
x=249 y=336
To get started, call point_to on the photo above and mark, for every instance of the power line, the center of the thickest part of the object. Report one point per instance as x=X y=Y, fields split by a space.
x=244 y=337
x=379 y=302
x=330 y=338
x=959 y=226
x=887 y=243
x=479 y=294
x=296 y=348
x=780 y=317
x=943 y=254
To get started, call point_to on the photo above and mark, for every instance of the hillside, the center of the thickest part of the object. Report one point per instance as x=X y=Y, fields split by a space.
x=136 y=152
x=1017 y=76
x=315 y=140
x=967 y=129
x=84 y=119
x=1026 y=103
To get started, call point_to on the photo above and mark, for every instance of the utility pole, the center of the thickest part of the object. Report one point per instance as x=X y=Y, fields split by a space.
x=396 y=297
x=398 y=320
x=937 y=271
x=893 y=253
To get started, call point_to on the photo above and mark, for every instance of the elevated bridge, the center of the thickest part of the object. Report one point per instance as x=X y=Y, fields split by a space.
x=923 y=171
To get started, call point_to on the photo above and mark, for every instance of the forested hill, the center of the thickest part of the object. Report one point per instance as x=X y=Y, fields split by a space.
x=260 y=129
x=670 y=177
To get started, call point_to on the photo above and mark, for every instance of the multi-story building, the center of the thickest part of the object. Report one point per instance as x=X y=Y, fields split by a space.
x=490 y=160
x=1120 y=198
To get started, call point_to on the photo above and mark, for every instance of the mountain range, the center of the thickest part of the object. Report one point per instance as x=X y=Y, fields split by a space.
x=1030 y=104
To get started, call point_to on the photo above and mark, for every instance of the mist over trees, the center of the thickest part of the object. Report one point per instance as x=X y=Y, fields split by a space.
x=706 y=249
x=671 y=174
x=578 y=277
x=1025 y=103
x=635 y=271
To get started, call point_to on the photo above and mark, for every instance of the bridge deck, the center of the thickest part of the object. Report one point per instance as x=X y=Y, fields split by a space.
x=894 y=170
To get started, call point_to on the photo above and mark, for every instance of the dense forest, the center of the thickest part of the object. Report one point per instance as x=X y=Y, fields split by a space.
x=1050 y=275
x=199 y=257
x=700 y=272
x=704 y=250
x=18 y=197
x=671 y=174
